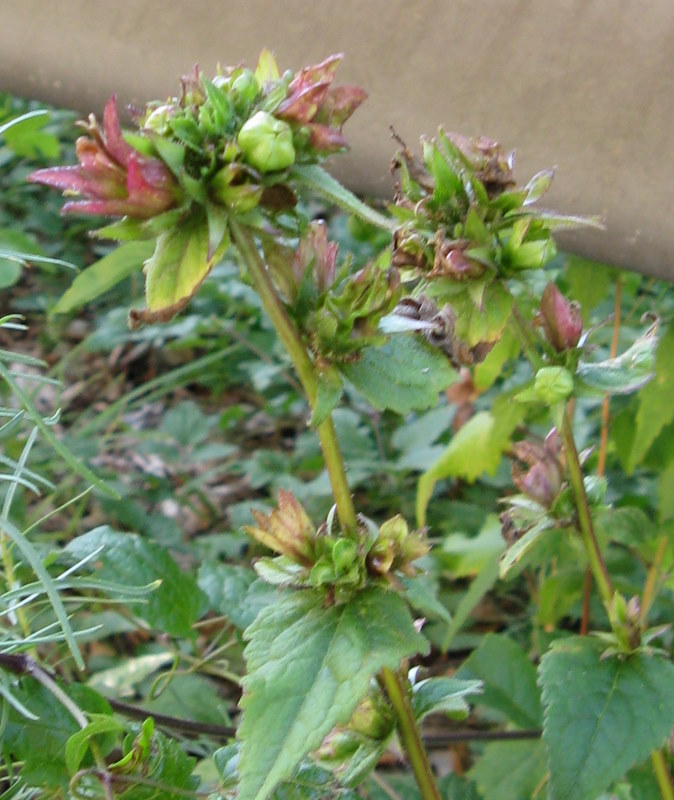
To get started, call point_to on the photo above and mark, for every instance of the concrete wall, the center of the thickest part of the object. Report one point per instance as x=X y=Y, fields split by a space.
x=586 y=85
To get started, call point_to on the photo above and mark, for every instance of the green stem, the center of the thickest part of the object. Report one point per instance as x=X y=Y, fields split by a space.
x=394 y=686
x=585 y=524
x=662 y=775
x=410 y=736
x=293 y=344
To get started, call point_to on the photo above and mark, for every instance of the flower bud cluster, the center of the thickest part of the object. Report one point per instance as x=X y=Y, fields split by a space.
x=220 y=141
x=338 y=562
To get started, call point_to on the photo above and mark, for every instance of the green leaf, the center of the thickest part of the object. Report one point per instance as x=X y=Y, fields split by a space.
x=665 y=493
x=477 y=590
x=482 y=311
x=656 y=408
x=509 y=680
x=601 y=716
x=624 y=374
x=235 y=591
x=589 y=282
x=78 y=744
x=130 y=559
x=103 y=275
x=26 y=139
x=318 y=180
x=443 y=695
x=465 y=556
x=178 y=265
x=476 y=448
x=421 y=592
x=328 y=395
x=510 y=770
x=522 y=546
x=308 y=666
x=40 y=743
x=402 y=375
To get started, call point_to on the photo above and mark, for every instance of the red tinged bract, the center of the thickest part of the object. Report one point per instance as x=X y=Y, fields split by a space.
x=313 y=103
x=113 y=178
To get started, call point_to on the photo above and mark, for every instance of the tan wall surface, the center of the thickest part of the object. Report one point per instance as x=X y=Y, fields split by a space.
x=586 y=85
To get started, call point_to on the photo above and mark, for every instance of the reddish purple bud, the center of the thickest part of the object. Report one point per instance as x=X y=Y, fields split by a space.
x=316 y=251
x=323 y=72
x=112 y=177
x=536 y=472
x=302 y=106
x=561 y=319
x=339 y=104
x=326 y=139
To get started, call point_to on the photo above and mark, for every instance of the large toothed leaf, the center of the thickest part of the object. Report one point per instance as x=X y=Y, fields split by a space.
x=402 y=375
x=308 y=666
x=601 y=716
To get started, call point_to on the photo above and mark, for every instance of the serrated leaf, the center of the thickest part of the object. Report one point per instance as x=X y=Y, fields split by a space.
x=421 y=592
x=103 y=275
x=308 y=666
x=403 y=375
x=601 y=716
x=443 y=695
x=135 y=561
x=510 y=770
x=318 y=180
x=509 y=680
x=656 y=405
x=476 y=448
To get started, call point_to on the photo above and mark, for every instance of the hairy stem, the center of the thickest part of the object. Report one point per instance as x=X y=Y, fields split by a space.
x=293 y=344
x=410 y=736
x=585 y=524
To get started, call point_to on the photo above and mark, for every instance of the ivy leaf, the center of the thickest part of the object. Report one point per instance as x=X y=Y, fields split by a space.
x=510 y=770
x=175 y=271
x=476 y=448
x=601 y=716
x=308 y=666
x=134 y=561
x=509 y=680
x=103 y=275
x=403 y=375
x=656 y=409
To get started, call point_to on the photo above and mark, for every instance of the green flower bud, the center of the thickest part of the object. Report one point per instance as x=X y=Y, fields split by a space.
x=158 y=120
x=245 y=89
x=553 y=384
x=267 y=143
